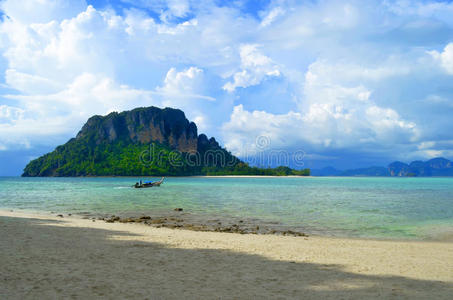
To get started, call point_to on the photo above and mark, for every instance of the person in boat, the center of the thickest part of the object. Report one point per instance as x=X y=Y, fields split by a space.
x=141 y=182
x=136 y=184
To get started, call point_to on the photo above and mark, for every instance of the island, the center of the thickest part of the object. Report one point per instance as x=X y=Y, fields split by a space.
x=146 y=141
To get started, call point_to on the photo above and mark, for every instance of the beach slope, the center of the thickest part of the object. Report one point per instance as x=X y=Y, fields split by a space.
x=50 y=257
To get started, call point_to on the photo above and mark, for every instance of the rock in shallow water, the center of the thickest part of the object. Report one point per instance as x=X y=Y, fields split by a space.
x=174 y=222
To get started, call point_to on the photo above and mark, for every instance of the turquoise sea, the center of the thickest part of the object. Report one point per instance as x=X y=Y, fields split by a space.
x=401 y=208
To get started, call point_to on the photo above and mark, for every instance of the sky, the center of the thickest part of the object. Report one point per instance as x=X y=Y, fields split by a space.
x=341 y=83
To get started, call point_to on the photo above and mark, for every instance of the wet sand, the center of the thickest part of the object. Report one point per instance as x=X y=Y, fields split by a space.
x=44 y=256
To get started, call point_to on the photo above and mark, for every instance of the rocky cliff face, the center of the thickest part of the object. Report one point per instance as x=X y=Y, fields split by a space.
x=144 y=125
x=398 y=168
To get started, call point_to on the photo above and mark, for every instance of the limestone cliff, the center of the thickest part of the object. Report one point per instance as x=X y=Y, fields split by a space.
x=144 y=125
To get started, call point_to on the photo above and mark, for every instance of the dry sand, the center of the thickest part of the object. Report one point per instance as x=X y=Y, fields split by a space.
x=44 y=257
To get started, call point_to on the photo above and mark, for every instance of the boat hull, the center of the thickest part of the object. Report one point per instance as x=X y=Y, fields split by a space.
x=148 y=185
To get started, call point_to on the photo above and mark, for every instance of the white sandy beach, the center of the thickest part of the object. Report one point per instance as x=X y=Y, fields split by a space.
x=44 y=257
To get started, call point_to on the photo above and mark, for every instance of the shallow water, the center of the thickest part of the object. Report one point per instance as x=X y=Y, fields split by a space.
x=409 y=208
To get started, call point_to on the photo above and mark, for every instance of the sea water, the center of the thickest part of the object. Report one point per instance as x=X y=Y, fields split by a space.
x=402 y=208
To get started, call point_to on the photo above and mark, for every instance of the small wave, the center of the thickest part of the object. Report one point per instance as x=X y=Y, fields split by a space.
x=120 y=187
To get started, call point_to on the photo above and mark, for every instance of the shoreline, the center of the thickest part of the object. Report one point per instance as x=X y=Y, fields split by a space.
x=30 y=214
x=180 y=219
x=72 y=257
x=174 y=219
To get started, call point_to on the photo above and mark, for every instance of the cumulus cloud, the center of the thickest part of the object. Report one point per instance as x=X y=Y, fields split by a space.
x=244 y=127
x=336 y=112
x=59 y=51
x=255 y=67
x=322 y=128
x=185 y=84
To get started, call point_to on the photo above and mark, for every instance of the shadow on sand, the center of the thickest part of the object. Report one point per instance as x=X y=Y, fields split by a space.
x=41 y=261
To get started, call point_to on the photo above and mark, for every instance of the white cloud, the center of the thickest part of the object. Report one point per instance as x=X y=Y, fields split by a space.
x=244 y=127
x=9 y=113
x=186 y=84
x=255 y=68
x=342 y=111
x=274 y=14
x=176 y=8
x=202 y=122
x=59 y=51
x=336 y=112
x=29 y=83
x=323 y=128
x=445 y=58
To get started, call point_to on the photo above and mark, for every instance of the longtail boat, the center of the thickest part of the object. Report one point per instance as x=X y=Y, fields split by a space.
x=148 y=184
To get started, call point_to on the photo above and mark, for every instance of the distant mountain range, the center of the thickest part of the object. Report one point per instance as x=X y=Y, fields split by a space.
x=433 y=167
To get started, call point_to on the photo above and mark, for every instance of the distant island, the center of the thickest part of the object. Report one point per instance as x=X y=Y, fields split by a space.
x=434 y=167
x=146 y=141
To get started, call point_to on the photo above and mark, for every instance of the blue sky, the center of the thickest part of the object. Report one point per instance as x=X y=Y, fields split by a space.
x=349 y=83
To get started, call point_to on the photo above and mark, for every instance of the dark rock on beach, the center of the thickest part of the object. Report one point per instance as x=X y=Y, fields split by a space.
x=174 y=221
x=112 y=219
